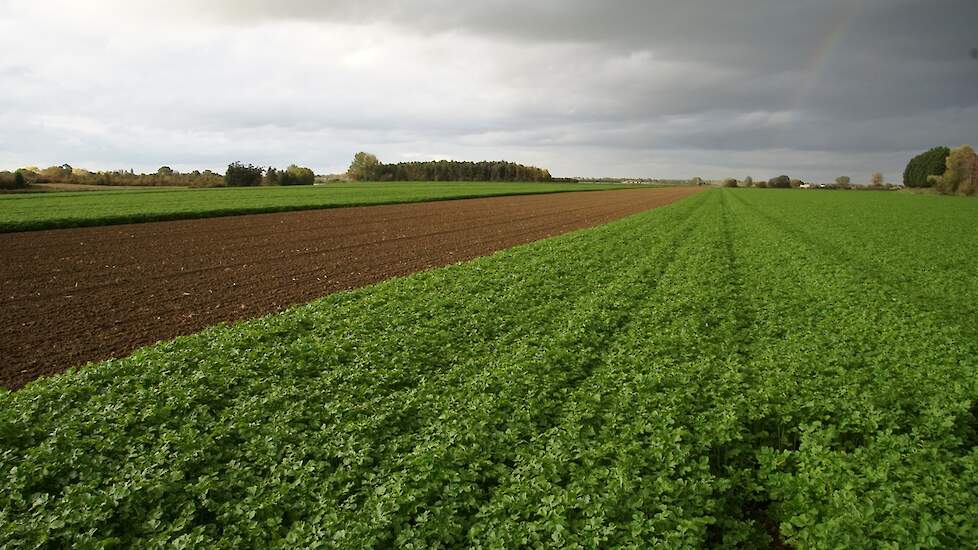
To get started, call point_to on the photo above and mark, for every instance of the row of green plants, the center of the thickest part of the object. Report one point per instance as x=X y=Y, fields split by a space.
x=733 y=369
x=866 y=366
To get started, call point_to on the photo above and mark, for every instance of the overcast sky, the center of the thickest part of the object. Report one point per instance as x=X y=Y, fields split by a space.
x=640 y=88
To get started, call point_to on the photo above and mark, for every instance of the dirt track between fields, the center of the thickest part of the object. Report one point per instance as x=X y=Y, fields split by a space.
x=70 y=296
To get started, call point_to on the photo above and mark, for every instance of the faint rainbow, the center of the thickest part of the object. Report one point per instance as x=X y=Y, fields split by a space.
x=825 y=51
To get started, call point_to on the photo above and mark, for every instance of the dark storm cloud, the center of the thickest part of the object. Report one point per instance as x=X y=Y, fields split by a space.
x=632 y=87
x=916 y=52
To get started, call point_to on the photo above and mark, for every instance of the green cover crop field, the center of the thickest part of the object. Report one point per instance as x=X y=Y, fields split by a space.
x=742 y=365
x=23 y=212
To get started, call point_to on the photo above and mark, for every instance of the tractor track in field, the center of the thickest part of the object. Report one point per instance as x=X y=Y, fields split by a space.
x=70 y=296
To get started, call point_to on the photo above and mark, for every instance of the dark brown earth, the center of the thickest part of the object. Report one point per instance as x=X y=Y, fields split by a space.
x=70 y=296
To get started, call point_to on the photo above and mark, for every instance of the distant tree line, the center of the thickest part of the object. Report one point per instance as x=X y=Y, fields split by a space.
x=165 y=176
x=366 y=167
x=247 y=175
x=293 y=175
x=243 y=175
x=237 y=174
x=13 y=180
x=787 y=182
x=780 y=182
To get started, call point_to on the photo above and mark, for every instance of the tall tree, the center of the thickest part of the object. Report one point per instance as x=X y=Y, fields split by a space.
x=929 y=163
x=365 y=167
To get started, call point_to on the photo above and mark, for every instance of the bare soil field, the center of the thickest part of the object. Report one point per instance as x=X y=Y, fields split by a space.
x=70 y=296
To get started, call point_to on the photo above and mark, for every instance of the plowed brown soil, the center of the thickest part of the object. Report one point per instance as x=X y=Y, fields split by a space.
x=75 y=295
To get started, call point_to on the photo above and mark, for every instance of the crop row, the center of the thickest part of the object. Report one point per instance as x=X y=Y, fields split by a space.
x=720 y=371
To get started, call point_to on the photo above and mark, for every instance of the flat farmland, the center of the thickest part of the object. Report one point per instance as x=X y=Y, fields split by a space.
x=741 y=368
x=95 y=293
x=32 y=211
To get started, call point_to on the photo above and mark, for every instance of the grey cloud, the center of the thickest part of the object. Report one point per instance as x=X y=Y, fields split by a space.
x=633 y=87
x=914 y=54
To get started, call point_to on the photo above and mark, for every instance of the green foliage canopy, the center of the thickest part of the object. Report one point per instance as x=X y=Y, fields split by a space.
x=365 y=167
x=242 y=175
x=296 y=175
x=923 y=166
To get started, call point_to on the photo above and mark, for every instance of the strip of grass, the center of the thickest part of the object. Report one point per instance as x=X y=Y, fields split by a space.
x=688 y=377
x=32 y=211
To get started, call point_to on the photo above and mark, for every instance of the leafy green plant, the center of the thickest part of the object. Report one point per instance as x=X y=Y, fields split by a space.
x=711 y=373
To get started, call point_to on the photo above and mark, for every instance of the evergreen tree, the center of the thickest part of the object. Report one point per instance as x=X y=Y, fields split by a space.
x=920 y=168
